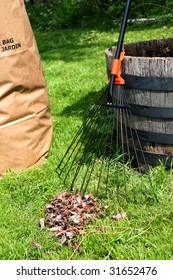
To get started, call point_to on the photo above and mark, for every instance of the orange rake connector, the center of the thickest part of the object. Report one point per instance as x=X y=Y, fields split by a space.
x=116 y=70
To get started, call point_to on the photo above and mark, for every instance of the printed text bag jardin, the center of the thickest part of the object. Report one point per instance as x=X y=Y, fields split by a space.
x=25 y=118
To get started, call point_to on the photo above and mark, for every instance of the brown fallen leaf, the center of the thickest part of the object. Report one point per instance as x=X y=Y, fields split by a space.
x=36 y=244
x=60 y=233
x=117 y=216
x=63 y=239
x=58 y=218
x=76 y=246
x=86 y=196
x=70 y=234
x=124 y=215
x=42 y=224
x=77 y=229
x=91 y=196
x=79 y=200
x=75 y=219
x=60 y=196
x=56 y=229
x=49 y=207
x=120 y=216
x=66 y=212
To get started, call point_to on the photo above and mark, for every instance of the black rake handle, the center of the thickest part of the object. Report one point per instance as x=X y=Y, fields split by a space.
x=122 y=30
x=119 y=49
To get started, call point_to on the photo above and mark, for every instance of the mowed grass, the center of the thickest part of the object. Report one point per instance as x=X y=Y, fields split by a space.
x=75 y=71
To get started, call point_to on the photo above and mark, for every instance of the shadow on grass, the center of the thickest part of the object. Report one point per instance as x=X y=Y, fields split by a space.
x=84 y=105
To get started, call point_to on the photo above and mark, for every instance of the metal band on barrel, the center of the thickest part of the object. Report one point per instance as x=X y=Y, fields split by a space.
x=148 y=83
x=152 y=112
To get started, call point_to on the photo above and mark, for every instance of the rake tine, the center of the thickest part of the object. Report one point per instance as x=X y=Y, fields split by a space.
x=129 y=153
x=104 y=156
x=90 y=167
x=77 y=142
x=87 y=148
x=81 y=160
x=110 y=151
x=135 y=135
x=135 y=153
x=99 y=141
x=120 y=137
x=87 y=120
x=117 y=153
x=136 y=156
x=122 y=146
x=126 y=113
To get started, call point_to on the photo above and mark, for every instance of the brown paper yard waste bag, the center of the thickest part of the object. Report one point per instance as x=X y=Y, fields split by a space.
x=25 y=118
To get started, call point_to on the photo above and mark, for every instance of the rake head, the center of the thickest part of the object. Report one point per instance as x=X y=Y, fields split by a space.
x=103 y=156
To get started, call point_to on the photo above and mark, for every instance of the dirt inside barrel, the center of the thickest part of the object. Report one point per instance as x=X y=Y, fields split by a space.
x=152 y=48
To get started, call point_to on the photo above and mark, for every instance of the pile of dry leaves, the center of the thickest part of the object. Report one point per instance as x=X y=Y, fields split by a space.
x=68 y=213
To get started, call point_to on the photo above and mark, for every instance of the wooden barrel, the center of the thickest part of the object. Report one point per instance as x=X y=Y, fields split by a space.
x=148 y=72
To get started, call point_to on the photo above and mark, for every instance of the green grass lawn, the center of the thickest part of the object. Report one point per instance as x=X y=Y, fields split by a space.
x=75 y=71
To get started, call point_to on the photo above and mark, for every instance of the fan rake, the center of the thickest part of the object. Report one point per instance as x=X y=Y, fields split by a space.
x=103 y=157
